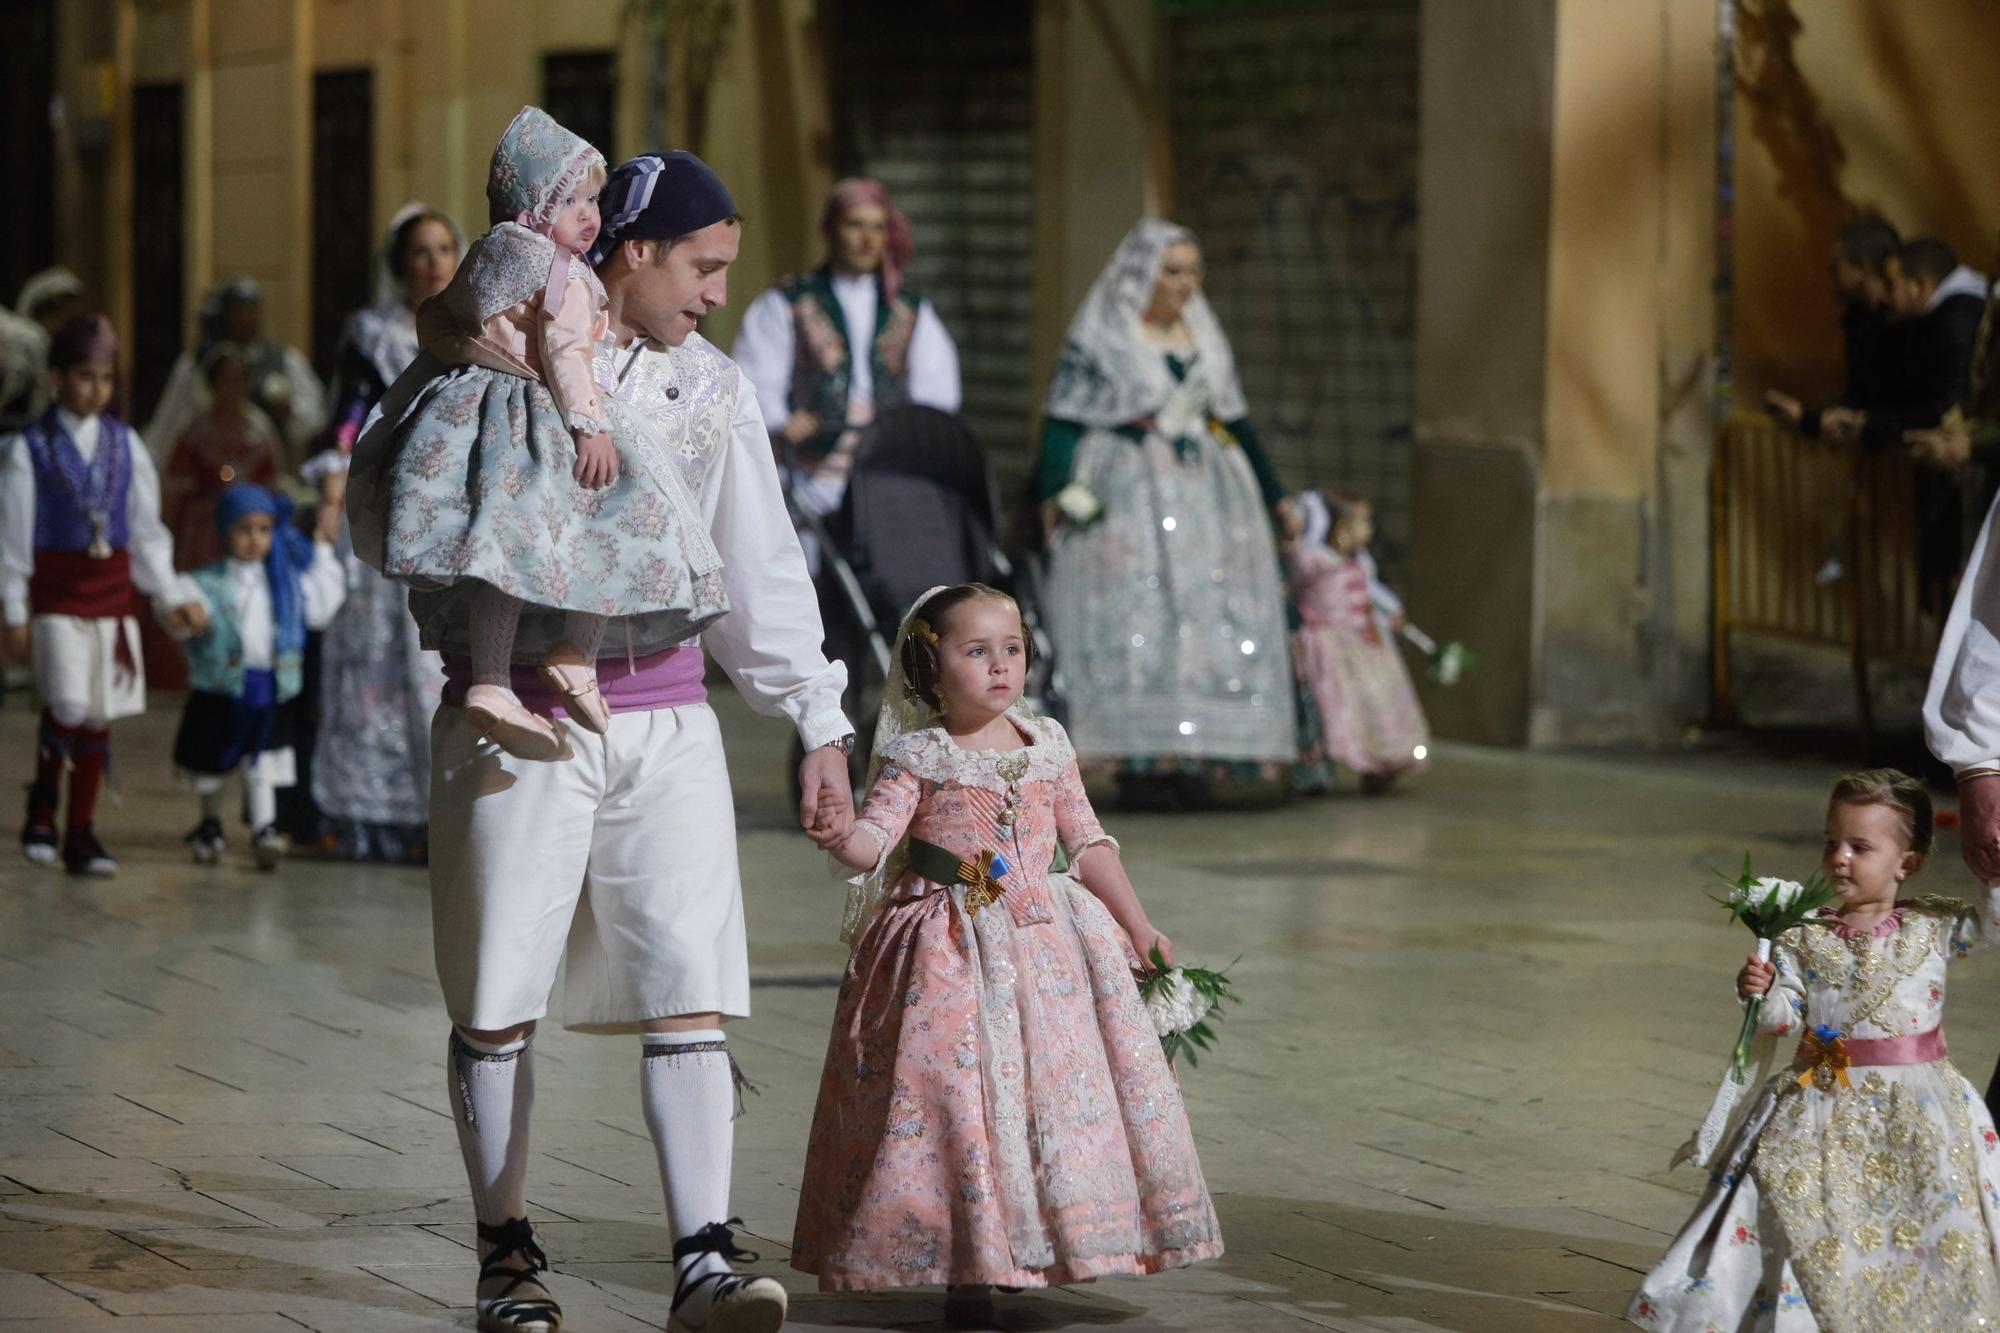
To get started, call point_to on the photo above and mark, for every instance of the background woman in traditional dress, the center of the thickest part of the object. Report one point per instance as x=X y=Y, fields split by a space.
x=370 y=762
x=1164 y=595
x=228 y=441
x=282 y=383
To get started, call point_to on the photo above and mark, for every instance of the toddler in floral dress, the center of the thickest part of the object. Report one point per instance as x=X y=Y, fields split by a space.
x=483 y=490
x=995 y=1108
x=1856 y=1190
x=1346 y=642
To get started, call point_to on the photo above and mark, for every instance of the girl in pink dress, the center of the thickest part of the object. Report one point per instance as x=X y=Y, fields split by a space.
x=1346 y=643
x=995 y=1108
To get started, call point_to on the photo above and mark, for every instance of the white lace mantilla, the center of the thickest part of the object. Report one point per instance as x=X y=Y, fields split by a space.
x=932 y=755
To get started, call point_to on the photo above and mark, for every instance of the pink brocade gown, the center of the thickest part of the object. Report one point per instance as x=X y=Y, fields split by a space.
x=1369 y=713
x=995 y=1106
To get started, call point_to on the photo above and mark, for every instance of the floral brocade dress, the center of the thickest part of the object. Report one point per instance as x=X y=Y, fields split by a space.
x=1855 y=1200
x=1348 y=656
x=471 y=466
x=995 y=1106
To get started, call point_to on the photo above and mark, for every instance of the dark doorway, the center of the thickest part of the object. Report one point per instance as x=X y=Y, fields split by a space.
x=343 y=203
x=159 y=245
x=580 y=89
x=936 y=101
x=27 y=83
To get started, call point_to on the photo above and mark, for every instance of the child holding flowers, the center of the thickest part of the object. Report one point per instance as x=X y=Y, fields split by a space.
x=995 y=1109
x=1859 y=1190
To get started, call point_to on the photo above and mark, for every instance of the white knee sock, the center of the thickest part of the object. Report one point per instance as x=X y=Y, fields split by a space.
x=261 y=797
x=585 y=632
x=688 y=1089
x=492 y=1090
x=494 y=618
x=211 y=802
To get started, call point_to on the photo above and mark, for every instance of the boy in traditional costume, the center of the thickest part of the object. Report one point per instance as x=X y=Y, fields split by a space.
x=80 y=532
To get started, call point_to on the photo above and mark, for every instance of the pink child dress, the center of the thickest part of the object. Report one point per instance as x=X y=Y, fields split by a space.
x=1367 y=703
x=995 y=1105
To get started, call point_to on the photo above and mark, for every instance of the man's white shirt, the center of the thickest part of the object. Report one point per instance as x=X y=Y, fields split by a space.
x=771 y=643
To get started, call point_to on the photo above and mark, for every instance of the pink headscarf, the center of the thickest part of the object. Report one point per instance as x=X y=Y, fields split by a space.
x=901 y=246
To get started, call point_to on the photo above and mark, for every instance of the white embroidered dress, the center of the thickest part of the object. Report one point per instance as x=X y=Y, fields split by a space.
x=1859 y=1205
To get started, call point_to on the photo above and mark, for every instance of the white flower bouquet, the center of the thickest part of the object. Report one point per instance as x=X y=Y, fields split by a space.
x=1182 y=1002
x=1448 y=661
x=1451 y=661
x=1079 y=504
x=1770 y=907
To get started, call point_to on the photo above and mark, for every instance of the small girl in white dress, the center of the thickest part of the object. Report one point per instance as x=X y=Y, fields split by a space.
x=1859 y=1190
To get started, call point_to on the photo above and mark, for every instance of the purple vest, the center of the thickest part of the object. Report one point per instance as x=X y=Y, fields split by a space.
x=67 y=492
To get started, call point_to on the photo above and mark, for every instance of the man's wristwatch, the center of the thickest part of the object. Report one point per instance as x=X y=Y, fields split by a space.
x=844 y=744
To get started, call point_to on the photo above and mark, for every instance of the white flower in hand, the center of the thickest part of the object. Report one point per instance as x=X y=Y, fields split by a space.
x=1175 y=1005
x=1078 y=503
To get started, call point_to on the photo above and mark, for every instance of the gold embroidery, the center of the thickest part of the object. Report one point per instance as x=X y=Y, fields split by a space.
x=1878 y=1186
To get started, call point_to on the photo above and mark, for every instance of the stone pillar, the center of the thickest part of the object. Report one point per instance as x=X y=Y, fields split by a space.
x=1563 y=376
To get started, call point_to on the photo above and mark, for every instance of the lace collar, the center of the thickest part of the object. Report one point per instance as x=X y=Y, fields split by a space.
x=931 y=754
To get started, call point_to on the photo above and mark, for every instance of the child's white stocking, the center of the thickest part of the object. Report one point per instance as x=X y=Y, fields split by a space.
x=260 y=795
x=494 y=618
x=492 y=1090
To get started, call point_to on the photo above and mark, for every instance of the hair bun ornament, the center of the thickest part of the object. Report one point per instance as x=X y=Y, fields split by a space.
x=922 y=629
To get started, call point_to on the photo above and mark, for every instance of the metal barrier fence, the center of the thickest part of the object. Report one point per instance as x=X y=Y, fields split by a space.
x=1815 y=542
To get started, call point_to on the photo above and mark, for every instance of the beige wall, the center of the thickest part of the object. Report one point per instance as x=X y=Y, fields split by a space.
x=449 y=74
x=1563 y=328
x=1097 y=168
x=1847 y=104
x=1486 y=104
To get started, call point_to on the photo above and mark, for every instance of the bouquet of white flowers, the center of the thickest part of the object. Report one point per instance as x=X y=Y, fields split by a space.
x=1449 y=661
x=1182 y=1002
x=1770 y=907
x=1079 y=504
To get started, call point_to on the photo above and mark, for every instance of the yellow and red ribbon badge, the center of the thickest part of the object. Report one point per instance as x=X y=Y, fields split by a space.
x=982 y=881
x=1823 y=1048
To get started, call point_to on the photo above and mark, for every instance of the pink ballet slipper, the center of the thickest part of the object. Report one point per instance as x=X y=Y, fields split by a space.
x=496 y=714
x=575 y=682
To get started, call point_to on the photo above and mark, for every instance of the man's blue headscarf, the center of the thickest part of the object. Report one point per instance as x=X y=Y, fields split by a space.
x=291 y=551
x=659 y=196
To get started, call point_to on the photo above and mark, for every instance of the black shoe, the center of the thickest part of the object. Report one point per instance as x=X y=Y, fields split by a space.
x=969 y=1305
x=1148 y=793
x=739 y=1304
x=511 y=1297
x=38 y=834
x=83 y=854
x=205 y=842
x=270 y=847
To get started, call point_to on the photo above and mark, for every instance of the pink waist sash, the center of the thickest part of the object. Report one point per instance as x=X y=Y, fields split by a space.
x=669 y=679
x=1921 y=1049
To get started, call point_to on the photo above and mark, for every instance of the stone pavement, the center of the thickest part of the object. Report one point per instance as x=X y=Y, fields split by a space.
x=1476 y=1018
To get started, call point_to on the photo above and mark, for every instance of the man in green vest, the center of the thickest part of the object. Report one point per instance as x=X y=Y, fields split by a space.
x=829 y=348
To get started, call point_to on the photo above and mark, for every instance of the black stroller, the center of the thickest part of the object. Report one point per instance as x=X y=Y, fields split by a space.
x=922 y=508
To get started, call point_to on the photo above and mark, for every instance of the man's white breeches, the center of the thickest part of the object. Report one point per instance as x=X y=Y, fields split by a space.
x=620 y=859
